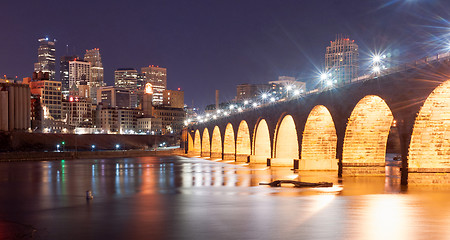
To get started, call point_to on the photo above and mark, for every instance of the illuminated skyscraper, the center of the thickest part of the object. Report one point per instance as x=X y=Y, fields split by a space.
x=64 y=72
x=94 y=58
x=127 y=78
x=157 y=76
x=341 y=62
x=46 y=57
x=78 y=71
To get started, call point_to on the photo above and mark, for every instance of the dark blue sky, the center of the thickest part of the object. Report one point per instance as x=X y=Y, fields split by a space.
x=208 y=45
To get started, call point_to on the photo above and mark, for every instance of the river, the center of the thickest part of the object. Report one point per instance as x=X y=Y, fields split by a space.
x=189 y=198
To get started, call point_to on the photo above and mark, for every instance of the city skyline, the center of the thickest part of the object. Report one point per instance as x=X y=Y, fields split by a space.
x=218 y=45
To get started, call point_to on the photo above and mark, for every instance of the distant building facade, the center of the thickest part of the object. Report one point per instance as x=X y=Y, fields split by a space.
x=118 y=120
x=114 y=97
x=78 y=112
x=15 y=107
x=96 y=71
x=157 y=76
x=127 y=78
x=341 y=62
x=174 y=99
x=78 y=71
x=46 y=57
x=64 y=73
x=50 y=96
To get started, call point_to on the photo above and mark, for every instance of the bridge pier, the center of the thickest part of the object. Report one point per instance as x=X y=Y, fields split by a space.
x=428 y=176
x=280 y=162
x=242 y=157
x=363 y=169
x=258 y=159
x=229 y=156
x=327 y=165
x=216 y=155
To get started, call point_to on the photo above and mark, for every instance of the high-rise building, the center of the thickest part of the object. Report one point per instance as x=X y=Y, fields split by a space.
x=46 y=57
x=78 y=71
x=174 y=99
x=341 y=62
x=64 y=72
x=50 y=95
x=127 y=78
x=114 y=97
x=94 y=58
x=157 y=76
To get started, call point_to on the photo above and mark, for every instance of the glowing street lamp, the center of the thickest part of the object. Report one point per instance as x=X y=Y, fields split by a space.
x=92 y=147
x=264 y=96
x=272 y=99
x=117 y=146
x=57 y=147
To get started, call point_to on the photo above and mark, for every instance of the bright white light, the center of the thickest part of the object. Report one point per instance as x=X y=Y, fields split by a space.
x=289 y=88
x=240 y=109
x=329 y=83
x=189 y=120
x=207 y=115
x=225 y=113
x=323 y=76
x=214 y=116
x=264 y=95
x=231 y=106
x=117 y=146
x=255 y=104
x=296 y=92
x=245 y=102
x=93 y=146
x=376 y=58
x=218 y=111
x=376 y=69
x=272 y=99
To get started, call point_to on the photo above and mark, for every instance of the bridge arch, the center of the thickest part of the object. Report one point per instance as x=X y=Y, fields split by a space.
x=319 y=141
x=366 y=137
x=216 y=143
x=206 y=146
x=197 y=143
x=229 y=144
x=286 y=142
x=261 y=143
x=190 y=143
x=243 y=142
x=430 y=140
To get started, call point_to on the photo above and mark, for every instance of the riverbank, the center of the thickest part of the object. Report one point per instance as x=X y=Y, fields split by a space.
x=39 y=156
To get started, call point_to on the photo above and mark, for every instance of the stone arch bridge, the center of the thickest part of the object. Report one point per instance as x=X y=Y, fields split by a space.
x=348 y=130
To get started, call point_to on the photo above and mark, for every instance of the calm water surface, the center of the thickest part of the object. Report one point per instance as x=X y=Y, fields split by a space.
x=190 y=198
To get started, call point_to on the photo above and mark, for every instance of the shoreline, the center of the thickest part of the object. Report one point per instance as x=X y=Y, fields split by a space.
x=70 y=155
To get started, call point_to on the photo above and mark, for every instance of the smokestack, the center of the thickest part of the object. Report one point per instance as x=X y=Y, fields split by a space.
x=217 y=99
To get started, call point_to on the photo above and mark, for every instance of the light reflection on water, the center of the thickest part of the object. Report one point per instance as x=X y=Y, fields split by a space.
x=189 y=198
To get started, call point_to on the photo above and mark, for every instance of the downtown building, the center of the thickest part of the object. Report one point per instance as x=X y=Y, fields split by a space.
x=46 y=58
x=64 y=73
x=157 y=77
x=127 y=78
x=78 y=71
x=96 y=72
x=15 y=106
x=341 y=62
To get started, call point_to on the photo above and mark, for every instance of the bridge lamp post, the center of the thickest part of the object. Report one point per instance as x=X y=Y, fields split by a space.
x=272 y=99
x=255 y=104
x=57 y=147
x=92 y=147
x=117 y=146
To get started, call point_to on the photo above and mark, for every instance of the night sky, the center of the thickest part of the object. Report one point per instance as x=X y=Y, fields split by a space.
x=208 y=45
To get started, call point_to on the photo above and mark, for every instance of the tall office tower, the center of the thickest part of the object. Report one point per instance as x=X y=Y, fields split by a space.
x=157 y=76
x=46 y=57
x=93 y=57
x=78 y=71
x=127 y=78
x=341 y=62
x=64 y=73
